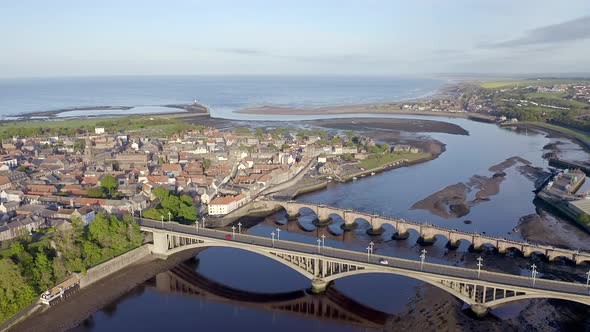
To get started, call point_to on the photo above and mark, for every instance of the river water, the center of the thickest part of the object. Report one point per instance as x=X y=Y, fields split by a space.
x=156 y=305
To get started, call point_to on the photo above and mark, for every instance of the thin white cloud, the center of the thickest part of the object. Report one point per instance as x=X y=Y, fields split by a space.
x=577 y=29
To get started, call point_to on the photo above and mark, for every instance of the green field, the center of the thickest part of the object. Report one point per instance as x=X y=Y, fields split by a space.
x=155 y=124
x=380 y=160
x=496 y=85
x=578 y=134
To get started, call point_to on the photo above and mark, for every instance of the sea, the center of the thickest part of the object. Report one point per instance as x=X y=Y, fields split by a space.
x=222 y=94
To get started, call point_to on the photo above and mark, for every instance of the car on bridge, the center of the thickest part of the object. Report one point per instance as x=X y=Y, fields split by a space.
x=228 y=237
x=383 y=261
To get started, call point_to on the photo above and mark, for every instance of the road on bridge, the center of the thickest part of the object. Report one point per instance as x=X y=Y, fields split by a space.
x=355 y=256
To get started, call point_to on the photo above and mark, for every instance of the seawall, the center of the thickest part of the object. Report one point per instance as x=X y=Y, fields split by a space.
x=113 y=265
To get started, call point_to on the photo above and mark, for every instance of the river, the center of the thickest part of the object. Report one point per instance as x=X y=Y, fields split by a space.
x=157 y=306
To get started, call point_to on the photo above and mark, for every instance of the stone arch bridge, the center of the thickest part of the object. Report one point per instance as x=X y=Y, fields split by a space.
x=427 y=232
x=322 y=265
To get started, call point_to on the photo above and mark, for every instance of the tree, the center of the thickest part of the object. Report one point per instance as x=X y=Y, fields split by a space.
x=160 y=192
x=79 y=145
x=109 y=183
x=15 y=292
x=42 y=272
x=95 y=192
x=259 y=132
x=206 y=164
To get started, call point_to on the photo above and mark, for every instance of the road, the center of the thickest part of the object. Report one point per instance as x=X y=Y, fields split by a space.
x=436 y=270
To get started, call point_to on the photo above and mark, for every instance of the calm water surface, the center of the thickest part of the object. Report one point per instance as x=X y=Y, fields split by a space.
x=155 y=306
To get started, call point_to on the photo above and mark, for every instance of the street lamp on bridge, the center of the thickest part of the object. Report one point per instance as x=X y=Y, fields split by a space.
x=479 y=265
x=278 y=233
x=319 y=246
x=169 y=216
x=371 y=245
x=534 y=273
x=273 y=238
x=162 y=217
x=233 y=232
x=323 y=240
x=422 y=258
x=368 y=254
x=197 y=224
x=239 y=227
x=587 y=278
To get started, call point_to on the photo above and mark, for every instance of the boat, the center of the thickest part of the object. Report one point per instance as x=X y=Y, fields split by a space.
x=353 y=178
x=372 y=173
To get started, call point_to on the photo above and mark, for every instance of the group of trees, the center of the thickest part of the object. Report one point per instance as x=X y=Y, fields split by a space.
x=180 y=207
x=108 y=188
x=33 y=268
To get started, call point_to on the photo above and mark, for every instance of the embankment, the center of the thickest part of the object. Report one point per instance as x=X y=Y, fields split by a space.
x=114 y=265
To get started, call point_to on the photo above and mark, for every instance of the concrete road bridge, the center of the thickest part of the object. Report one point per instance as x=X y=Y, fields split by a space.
x=332 y=305
x=322 y=265
x=427 y=232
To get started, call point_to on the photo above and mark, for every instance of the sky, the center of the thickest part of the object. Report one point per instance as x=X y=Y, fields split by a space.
x=255 y=37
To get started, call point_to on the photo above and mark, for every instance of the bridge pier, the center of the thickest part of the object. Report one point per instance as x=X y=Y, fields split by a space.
x=319 y=286
x=452 y=245
x=401 y=235
x=474 y=248
x=479 y=309
x=426 y=241
x=349 y=221
x=375 y=230
x=293 y=214
x=160 y=247
x=322 y=222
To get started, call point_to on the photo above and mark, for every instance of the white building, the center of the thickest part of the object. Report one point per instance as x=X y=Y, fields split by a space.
x=99 y=130
x=224 y=205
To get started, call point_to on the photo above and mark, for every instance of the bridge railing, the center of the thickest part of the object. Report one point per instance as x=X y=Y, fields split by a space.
x=345 y=256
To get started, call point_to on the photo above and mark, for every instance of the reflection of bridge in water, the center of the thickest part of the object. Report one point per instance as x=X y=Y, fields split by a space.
x=427 y=232
x=331 y=305
x=481 y=290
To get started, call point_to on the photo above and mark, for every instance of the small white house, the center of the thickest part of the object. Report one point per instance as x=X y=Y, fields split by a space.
x=99 y=130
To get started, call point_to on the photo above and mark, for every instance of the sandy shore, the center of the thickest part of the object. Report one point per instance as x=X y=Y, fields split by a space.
x=393 y=108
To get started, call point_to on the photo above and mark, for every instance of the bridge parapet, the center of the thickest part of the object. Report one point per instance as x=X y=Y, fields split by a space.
x=429 y=231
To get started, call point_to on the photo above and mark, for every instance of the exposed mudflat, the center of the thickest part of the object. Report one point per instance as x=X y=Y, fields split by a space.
x=433 y=309
x=406 y=125
x=451 y=201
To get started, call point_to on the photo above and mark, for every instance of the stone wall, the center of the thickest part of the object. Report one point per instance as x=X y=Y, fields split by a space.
x=113 y=265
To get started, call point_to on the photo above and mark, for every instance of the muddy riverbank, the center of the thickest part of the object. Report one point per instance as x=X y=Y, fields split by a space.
x=81 y=305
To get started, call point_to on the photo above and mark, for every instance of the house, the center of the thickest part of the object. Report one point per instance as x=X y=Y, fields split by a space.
x=10 y=195
x=41 y=189
x=8 y=207
x=85 y=213
x=224 y=205
x=172 y=169
x=117 y=206
x=99 y=130
x=5 y=183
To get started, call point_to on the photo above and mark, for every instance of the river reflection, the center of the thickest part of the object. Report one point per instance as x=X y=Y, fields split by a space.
x=391 y=193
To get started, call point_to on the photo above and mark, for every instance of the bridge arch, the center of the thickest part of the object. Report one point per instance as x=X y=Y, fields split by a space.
x=430 y=281
x=230 y=244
